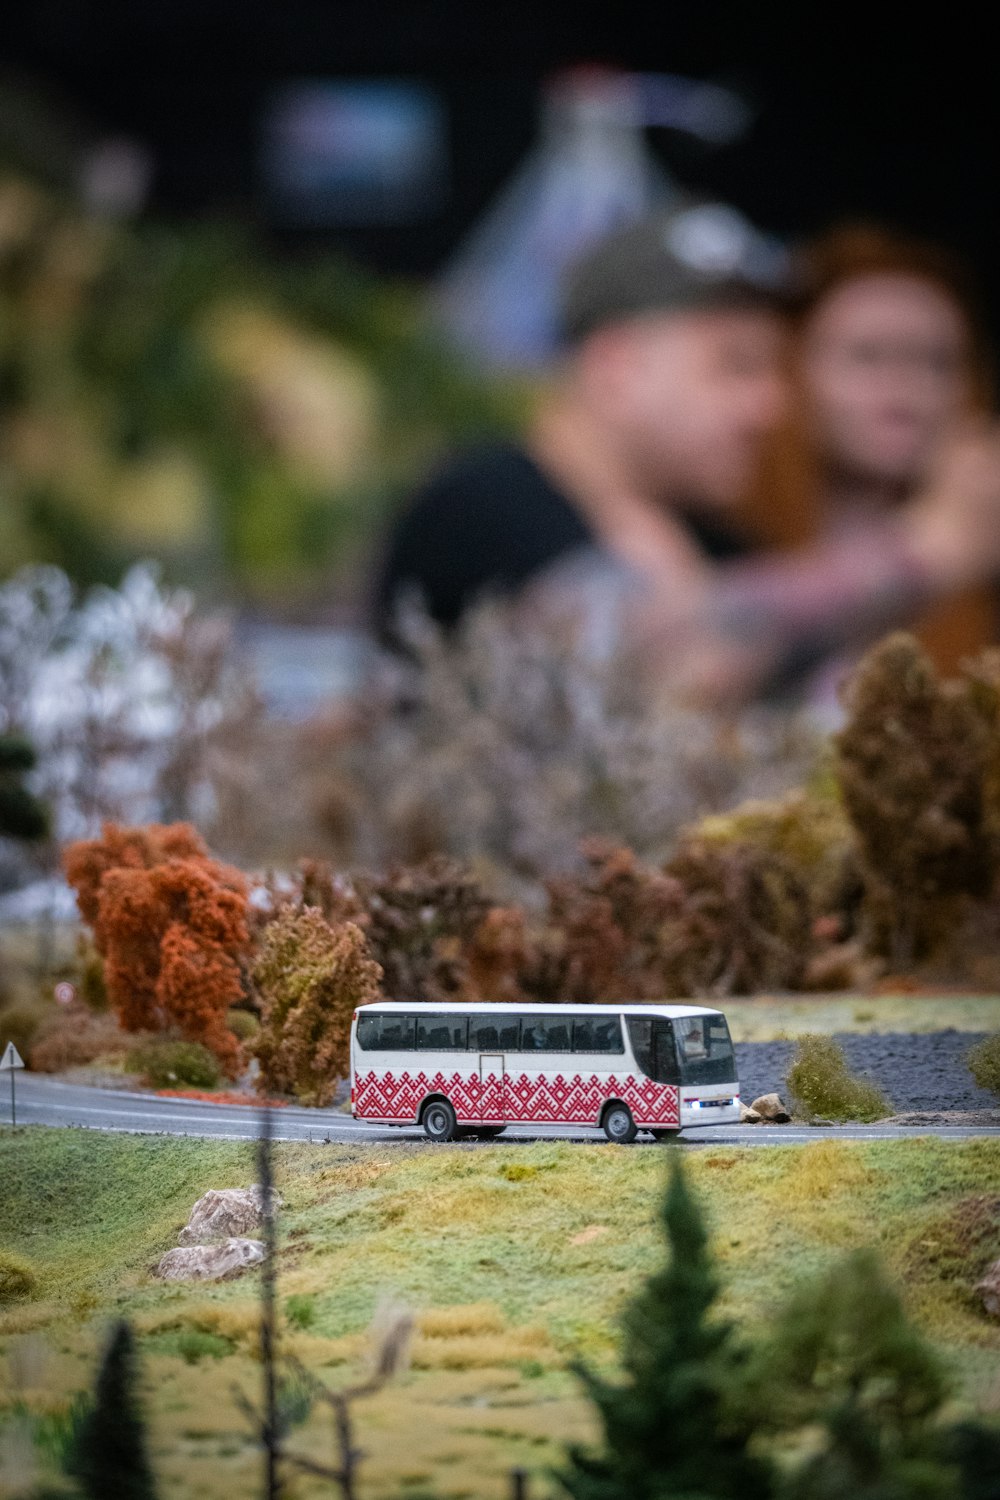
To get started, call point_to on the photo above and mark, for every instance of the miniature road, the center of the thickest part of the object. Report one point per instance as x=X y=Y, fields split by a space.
x=43 y=1101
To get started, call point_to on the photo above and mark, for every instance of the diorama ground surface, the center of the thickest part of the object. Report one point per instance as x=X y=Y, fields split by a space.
x=516 y=1259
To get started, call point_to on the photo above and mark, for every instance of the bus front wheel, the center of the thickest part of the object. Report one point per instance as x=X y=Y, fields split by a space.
x=619 y=1126
x=439 y=1121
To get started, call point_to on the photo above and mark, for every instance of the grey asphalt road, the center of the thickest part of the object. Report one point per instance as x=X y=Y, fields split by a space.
x=44 y=1101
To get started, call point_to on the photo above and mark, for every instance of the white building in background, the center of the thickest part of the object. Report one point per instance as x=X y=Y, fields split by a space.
x=591 y=172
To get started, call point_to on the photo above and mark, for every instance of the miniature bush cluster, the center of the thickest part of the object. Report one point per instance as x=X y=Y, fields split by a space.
x=888 y=856
x=984 y=1064
x=822 y=1085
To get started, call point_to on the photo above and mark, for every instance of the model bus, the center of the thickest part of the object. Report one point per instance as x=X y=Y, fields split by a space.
x=475 y=1069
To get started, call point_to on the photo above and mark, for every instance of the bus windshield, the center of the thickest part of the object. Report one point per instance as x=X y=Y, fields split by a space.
x=690 y=1049
x=704 y=1049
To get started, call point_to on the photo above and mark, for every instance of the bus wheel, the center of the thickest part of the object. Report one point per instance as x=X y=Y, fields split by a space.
x=439 y=1121
x=619 y=1125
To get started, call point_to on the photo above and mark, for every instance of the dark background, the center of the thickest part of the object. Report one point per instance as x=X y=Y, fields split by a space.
x=854 y=115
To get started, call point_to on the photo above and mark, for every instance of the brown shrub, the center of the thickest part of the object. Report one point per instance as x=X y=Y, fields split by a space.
x=914 y=762
x=74 y=1037
x=310 y=977
x=420 y=922
x=171 y=924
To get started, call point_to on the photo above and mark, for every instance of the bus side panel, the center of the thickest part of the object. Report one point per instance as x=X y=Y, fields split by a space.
x=395 y=1090
x=550 y=1096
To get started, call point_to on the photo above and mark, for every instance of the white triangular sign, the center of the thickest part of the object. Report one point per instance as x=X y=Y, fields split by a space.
x=11 y=1059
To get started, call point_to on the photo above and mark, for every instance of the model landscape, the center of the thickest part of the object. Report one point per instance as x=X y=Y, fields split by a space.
x=856 y=1278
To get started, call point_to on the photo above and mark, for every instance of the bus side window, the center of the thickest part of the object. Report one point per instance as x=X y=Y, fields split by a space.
x=597 y=1034
x=483 y=1034
x=545 y=1034
x=653 y=1045
x=396 y=1032
x=510 y=1034
x=442 y=1033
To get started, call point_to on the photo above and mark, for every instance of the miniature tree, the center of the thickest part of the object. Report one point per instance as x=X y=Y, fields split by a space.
x=669 y=1428
x=171 y=925
x=843 y=1359
x=912 y=762
x=109 y=1457
x=22 y=815
x=310 y=977
x=420 y=921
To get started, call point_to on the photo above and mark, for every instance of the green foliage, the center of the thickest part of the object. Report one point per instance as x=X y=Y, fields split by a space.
x=167 y=1064
x=57 y=1433
x=821 y=1083
x=176 y=388
x=300 y=1310
x=974 y=1450
x=22 y=815
x=670 y=1429
x=18 y=1280
x=844 y=1361
x=984 y=1064
x=242 y=1023
x=109 y=1457
x=193 y=1344
x=20 y=1024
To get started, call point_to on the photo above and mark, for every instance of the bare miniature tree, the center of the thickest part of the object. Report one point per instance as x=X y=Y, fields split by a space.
x=391 y=1332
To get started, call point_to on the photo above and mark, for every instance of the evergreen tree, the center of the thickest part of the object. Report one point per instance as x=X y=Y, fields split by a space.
x=670 y=1429
x=845 y=1362
x=109 y=1458
x=22 y=815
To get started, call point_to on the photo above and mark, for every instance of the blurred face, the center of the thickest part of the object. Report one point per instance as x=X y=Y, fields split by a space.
x=689 y=395
x=885 y=361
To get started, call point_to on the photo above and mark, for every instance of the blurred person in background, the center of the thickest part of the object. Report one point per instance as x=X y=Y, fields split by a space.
x=646 y=434
x=620 y=512
x=893 y=393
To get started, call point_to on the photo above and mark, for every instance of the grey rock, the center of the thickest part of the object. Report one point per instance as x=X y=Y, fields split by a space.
x=223 y=1212
x=210 y=1262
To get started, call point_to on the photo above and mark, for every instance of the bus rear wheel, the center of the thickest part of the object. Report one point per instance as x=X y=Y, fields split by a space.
x=619 y=1126
x=439 y=1121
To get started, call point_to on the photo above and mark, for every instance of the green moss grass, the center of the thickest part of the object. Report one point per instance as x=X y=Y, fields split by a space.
x=514 y=1256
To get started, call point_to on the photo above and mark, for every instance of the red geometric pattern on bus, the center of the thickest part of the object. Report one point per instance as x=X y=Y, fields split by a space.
x=534 y=1098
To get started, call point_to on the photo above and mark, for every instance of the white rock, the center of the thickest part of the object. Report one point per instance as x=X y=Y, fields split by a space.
x=210 y=1262
x=989 y=1289
x=749 y=1116
x=771 y=1110
x=222 y=1212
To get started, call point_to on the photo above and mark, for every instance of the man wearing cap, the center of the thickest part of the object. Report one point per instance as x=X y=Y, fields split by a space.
x=668 y=380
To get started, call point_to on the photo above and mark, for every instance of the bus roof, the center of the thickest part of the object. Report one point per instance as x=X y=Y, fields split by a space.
x=629 y=1007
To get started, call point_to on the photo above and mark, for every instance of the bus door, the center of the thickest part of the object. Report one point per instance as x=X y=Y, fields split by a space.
x=493 y=1095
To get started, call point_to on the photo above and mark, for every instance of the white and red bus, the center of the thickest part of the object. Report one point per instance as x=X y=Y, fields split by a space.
x=475 y=1069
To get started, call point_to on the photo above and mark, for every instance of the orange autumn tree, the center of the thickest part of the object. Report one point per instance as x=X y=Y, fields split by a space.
x=171 y=923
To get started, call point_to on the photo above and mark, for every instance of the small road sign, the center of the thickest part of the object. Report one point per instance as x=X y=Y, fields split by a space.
x=9 y=1063
x=65 y=992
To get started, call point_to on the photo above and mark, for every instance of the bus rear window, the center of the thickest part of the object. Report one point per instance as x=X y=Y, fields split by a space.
x=388 y=1032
